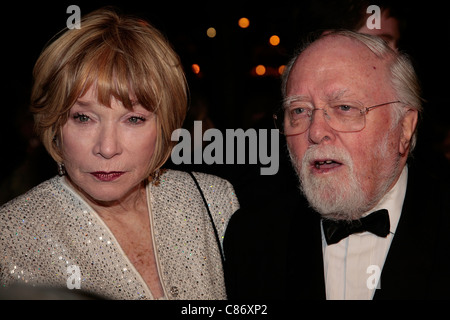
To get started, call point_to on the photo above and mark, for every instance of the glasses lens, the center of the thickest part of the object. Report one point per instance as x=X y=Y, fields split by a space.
x=341 y=118
x=345 y=118
x=297 y=118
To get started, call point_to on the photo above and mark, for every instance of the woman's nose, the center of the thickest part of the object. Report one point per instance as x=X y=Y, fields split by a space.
x=108 y=142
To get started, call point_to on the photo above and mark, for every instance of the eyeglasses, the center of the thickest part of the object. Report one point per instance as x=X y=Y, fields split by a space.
x=297 y=117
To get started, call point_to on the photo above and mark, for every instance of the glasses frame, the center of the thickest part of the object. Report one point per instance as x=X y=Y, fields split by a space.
x=364 y=112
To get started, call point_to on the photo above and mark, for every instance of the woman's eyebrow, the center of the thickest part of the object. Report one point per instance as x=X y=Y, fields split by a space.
x=84 y=104
x=135 y=102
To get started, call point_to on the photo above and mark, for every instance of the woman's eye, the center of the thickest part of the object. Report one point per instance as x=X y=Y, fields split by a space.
x=136 y=120
x=81 y=117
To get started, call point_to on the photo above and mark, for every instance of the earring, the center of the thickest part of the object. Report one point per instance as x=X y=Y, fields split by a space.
x=155 y=176
x=61 y=169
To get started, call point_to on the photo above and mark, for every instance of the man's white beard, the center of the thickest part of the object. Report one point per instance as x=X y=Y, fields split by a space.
x=340 y=196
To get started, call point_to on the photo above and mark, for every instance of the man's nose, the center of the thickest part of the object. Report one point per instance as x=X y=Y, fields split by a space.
x=319 y=129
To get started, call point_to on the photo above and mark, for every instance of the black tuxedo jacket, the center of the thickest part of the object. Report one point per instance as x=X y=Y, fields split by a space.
x=274 y=250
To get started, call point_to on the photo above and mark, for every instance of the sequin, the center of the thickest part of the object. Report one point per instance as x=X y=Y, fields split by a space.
x=51 y=228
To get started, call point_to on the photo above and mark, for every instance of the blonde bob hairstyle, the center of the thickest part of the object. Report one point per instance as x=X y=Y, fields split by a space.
x=125 y=58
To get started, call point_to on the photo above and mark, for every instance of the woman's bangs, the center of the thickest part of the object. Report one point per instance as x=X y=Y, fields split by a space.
x=112 y=76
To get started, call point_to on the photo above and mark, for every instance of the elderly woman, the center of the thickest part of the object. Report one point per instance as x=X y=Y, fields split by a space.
x=106 y=99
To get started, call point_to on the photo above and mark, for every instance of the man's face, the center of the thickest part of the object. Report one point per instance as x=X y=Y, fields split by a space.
x=344 y=174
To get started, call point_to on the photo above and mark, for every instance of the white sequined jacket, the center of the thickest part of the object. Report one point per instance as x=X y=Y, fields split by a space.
x=51 y=237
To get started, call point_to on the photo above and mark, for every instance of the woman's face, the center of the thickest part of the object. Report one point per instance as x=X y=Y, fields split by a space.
x=107 y=151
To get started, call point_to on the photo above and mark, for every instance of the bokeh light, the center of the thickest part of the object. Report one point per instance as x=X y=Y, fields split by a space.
x=244 y=23
x=195 y=68
x=274 y=40
x=260 y=70
x=211 y=32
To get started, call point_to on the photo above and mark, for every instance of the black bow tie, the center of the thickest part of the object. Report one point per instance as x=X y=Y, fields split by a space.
x=377 y=223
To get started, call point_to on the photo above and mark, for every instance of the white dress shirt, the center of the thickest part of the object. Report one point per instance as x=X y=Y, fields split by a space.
x=352 y=266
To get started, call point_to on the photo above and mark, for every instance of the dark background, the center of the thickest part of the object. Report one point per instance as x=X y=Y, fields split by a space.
x=226 y=93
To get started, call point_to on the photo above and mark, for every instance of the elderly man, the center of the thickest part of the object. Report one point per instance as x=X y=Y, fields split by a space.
x=370 y=228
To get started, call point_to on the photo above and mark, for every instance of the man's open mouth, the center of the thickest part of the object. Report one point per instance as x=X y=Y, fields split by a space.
x=326 y=164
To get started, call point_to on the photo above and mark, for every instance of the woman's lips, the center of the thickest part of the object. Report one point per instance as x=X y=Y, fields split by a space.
x=107 y=176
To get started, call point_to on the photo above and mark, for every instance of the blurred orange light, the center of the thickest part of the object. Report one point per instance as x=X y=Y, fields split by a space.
x=281 y=69
x=211 y=32
x=274 y=40
x=195 y=68
x=244 y=23
x=260 y=70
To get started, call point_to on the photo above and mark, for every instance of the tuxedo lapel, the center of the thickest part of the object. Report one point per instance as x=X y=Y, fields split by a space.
x=305 y=261
x=409 y=263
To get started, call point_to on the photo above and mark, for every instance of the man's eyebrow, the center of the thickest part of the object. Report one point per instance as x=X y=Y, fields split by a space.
x=335 y=95
x=329 y=97
x=295 y=98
